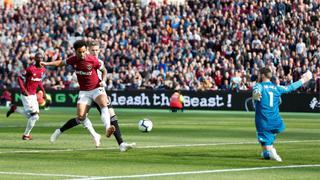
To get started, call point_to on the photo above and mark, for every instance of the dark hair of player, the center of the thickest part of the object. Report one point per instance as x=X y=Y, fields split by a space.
x=39 y=55
x=266 y=72
x=274 y=79
x=79 y=44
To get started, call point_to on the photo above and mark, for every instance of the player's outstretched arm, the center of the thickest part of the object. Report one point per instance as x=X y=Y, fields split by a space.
x=304 y=78
x=53 y=63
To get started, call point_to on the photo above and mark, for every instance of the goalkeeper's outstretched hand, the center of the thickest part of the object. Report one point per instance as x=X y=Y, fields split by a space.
x=306 y=77
x=256 y=95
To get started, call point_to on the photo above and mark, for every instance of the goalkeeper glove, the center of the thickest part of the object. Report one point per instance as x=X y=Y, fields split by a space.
x=256 y=95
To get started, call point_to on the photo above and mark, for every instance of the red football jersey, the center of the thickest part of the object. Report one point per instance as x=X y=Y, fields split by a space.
x=175 y=101
x=33 y=78
x=86 y=71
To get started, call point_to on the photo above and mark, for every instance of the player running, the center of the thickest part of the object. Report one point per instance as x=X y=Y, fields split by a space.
x=267 y=118
x=29 y=81
x=91 y=87
x=94 y=50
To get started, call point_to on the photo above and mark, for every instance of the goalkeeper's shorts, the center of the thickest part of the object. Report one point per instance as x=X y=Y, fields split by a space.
x=267 y=137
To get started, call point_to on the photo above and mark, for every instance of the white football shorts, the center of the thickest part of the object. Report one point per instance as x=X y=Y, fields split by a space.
x=86 y=97
x=30 y=103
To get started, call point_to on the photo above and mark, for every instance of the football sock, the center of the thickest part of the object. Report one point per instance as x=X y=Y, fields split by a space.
x=70 y=124
x=105 y=117
x=30 y=124
x=88 y=125
x=117 y=133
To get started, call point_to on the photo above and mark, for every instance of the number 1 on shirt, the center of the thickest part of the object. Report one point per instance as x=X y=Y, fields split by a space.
x=271 y=99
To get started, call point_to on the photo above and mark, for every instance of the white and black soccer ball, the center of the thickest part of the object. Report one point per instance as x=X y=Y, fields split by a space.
x=145 y=125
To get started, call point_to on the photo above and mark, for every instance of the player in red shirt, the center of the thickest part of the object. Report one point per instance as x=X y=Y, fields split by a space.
x=176 y=101
x=29 y=81
x=94 y=49
x=91 y=87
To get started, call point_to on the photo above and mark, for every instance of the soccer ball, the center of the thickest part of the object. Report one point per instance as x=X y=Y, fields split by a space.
x=145 y=125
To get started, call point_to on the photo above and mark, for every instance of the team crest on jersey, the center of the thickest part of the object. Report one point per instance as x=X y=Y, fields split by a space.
x=89 y=66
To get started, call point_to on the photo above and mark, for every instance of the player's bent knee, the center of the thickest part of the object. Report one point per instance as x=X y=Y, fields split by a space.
x=34 y=113
x=81 y=118
x=35 y=117
x=101 y=100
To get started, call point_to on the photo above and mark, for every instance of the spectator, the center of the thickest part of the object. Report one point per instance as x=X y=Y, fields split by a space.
x=6 y=98
x=167 y=45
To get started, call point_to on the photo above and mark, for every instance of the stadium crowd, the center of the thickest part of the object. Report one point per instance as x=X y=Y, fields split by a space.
x=201 y=45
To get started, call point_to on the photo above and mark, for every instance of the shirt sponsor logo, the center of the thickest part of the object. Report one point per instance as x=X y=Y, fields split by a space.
x=35 y=79
x=84 y=73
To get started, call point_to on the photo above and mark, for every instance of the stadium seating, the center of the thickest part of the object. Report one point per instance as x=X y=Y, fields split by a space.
x=198 y=45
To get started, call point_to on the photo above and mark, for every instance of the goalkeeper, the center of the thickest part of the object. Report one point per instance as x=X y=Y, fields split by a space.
x=267 y=118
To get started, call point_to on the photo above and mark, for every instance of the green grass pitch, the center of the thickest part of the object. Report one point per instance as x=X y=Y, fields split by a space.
x=188 y=145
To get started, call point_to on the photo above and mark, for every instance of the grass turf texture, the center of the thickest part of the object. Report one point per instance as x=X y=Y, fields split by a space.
x=179 y=142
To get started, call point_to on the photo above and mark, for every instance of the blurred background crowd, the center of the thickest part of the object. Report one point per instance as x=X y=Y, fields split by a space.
x=188 y=45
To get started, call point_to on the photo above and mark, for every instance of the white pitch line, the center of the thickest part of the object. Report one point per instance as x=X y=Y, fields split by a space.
x=43 y=174
x=199 y=172
x=78 y=177
x=150 y=147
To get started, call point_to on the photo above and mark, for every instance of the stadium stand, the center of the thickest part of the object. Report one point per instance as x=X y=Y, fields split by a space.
x=198 y=45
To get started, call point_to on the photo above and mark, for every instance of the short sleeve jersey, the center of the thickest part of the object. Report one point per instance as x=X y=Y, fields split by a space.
x=86 y=71
x=33 y=78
